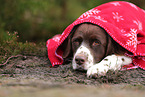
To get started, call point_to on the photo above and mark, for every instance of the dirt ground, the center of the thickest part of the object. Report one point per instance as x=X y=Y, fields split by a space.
x=33 y=76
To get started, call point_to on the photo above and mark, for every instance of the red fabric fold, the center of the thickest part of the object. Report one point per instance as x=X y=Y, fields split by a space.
x=123 y=21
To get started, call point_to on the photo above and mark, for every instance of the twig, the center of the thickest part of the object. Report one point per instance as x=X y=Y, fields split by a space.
x=9 y=59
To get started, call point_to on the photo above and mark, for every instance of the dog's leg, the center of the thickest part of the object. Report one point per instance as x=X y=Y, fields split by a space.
x=112 y=62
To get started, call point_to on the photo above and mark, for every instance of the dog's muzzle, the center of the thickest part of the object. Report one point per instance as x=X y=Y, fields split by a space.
x=80 y=59
x=83 y=58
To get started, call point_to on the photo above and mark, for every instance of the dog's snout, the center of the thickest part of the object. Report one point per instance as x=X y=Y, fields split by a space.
x=80 y=59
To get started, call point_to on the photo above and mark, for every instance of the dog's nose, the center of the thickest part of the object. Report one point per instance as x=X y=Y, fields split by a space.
x=80 y=59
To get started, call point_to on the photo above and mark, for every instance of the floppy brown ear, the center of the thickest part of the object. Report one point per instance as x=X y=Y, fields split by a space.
x=66 y=47
x=67 y=50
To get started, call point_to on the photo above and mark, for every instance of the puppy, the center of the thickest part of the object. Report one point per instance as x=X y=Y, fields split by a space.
x=93 y=50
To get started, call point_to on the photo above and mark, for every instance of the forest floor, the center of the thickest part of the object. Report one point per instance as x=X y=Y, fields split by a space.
x=33 y=76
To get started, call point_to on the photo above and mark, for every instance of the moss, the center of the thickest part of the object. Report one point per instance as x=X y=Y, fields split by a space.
x=9 y=46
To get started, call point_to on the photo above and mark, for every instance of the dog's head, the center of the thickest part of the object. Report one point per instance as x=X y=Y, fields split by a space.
x=88 y=44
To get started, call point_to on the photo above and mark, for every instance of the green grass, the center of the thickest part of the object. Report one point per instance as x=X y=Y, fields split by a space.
x=9 y=46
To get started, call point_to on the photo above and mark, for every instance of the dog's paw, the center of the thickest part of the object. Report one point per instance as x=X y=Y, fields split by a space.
x=111 y=62
x=97 y=70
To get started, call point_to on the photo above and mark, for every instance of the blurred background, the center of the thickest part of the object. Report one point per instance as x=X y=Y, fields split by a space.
x=39 y=20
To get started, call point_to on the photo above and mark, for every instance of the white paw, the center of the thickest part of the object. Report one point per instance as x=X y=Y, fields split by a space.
x=97 y=70
x=111 y=62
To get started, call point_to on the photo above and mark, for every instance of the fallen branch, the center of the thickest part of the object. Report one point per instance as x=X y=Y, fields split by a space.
x=11 y=58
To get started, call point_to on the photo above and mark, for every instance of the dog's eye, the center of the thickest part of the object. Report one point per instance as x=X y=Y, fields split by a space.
x=95 y=43
x=76 y=42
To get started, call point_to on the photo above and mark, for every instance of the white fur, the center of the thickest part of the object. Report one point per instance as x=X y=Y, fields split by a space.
x=112 y=62
x=90 y=60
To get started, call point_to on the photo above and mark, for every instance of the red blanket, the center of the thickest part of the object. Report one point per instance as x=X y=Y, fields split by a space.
x=123 y=21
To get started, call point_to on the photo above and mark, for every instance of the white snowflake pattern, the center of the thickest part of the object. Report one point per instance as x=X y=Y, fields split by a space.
x=115 y=3
x=100 y=18
x=117 y=16
x=134 y=6
x=139 y=24
x=132 y=41
x=89 y=13
x=123 y=31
